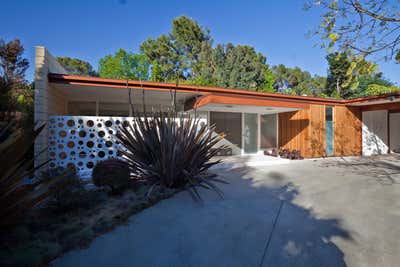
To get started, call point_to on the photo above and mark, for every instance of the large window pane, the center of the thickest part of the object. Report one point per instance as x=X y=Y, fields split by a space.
x=250 y=133
x=81 y=108
x=268 y=131
x=230 y=124
x=114 y=109
x=329 y=131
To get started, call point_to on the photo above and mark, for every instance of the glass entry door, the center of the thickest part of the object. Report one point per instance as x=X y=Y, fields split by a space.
x=329 y=131
x=250 y=133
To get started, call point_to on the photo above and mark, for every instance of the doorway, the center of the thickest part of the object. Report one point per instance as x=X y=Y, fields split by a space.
x=394 y=131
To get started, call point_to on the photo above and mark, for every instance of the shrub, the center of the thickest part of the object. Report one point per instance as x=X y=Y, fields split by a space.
x=171 y=152
x=112 y=173
x=72 y=191
x=18 y=193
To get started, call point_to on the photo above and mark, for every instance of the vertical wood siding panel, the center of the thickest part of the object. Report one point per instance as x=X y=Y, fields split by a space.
x=348 y=131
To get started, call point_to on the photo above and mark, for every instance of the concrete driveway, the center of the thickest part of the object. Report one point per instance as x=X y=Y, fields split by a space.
x=333 y=212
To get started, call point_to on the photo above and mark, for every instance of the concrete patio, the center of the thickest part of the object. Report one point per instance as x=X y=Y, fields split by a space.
x=331 y=212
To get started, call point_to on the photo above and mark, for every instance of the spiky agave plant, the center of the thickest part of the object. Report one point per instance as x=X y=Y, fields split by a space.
x=171 y=152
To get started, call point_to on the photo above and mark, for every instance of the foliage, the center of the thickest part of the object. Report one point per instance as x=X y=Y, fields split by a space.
x=344 y=69
x=69 y=193
x=12 y=73
x=364 y=81
x=113 y=173
x=171 y=152
x=124 y=65
x=186 y=54
x=178 y=53
x=363 y=26
x=17 y=195
x=156 y=74
x=235 y=67
x=296 y=81
x=76 y=66
x=376 y=89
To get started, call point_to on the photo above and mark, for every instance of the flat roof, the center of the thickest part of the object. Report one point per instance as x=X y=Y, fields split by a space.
x=206 y=90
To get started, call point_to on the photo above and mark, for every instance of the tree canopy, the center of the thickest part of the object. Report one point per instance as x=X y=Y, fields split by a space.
x=12 y=73
x=76 y=66
x=364 y=26
x=124 y=65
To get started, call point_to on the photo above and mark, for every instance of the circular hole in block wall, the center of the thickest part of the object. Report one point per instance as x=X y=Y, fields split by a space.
x=72 y=132
x=70 y=123
x=52 y=121
x=110 y=132
x=89 y=164
x=92 y=156
x=99 y=145
x=80 y=142
x=92 y=135
x=52 y=154
x=62 y=155
x=70 y=165
x=108 y=143
x=52 y=132
x=80 y=163
x=80 y=121
x=60 y=146
x=110 y=152
x=117 y=122
x=82 y=134
x=90 y=144
x=70 y=144
x=90 y=123
x=99 y=125
x=125 y=124
x=62 y=133
x=82 y=154
x=52 y=164
x=72 y=153
x=102 y=133
x=60 y=124
x=52 y=143
x=108 y=123
x=102 y=154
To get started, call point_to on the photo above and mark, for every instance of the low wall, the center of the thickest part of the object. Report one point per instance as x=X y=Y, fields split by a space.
x=82 y=141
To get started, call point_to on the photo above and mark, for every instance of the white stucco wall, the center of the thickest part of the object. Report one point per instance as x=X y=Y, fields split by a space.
x=395 y=132
x=44 y=98
x=374 y=132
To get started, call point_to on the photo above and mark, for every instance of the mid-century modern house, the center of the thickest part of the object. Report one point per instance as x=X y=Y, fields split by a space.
x=83 y=113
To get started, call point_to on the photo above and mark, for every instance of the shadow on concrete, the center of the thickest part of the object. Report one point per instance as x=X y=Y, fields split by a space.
x=257 y=223
x=298 y=237
x=385 y=168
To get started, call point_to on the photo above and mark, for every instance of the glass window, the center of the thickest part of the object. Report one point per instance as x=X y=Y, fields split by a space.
x=81 y=108
x=329 y=131
x=250 y=133
x=113 y=109
x=268 y=131
x=230 y=124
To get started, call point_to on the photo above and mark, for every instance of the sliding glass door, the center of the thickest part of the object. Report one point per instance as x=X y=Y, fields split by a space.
x=269 y=131
x=250 y=133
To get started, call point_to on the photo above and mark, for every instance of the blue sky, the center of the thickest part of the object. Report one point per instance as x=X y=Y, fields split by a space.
x=93 y=28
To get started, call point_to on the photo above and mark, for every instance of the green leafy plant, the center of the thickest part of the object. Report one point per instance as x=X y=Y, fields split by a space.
x=171 y=152
x=113 y=173
x=18 y=191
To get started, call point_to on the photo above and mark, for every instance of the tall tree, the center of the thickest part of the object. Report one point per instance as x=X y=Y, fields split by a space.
x=344 y=70
x=124 y=65
x=178 y=52
x=12 y=73
x=296 y=81
x=76 y=66
x=363 y=26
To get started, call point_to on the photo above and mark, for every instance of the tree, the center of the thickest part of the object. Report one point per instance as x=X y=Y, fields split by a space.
x=297 y=82
x=364 y=81
x=235 y=67
x=343 y=72
x=124 y=65
x=178 y=53
x=12 y=73
x=364 y=26
x=76 y=66
x=376 y=89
